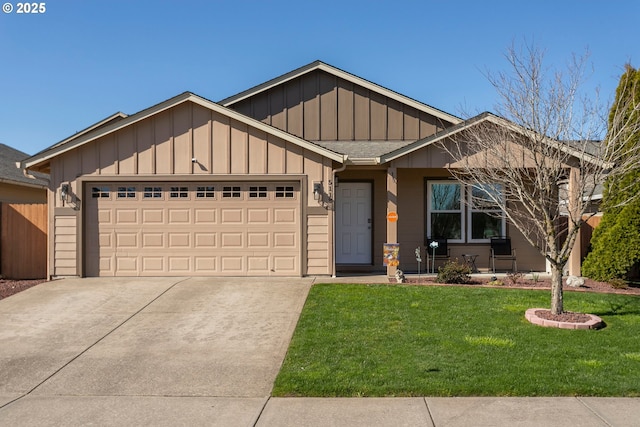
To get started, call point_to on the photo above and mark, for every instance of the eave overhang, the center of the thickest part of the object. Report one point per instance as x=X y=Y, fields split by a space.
x=39 y=161
x=486 y=117
x=319 y=65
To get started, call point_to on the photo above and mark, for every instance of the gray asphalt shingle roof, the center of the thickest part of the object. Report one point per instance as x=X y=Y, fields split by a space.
x=9 y=172
x=362 y=149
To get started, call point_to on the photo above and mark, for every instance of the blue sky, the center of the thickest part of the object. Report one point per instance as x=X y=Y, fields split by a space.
x=83 y=60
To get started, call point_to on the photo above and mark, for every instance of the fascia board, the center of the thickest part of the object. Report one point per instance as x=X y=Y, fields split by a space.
x=474 y=121
x=269 y=84
x=318 y=65
x=565 y=148
x=421 y=143
x=170 y=103
x=269 y=129
x=72 y=143
x=23 y=184
x=86 y=130
x=389 y=93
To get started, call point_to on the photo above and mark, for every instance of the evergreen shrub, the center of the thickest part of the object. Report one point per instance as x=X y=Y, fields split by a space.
x=454 y=272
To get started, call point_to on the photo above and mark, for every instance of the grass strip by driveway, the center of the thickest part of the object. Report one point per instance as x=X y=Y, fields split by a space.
x=398 y=340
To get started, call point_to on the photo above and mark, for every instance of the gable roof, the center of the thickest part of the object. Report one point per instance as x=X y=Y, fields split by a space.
x=10 y=173
x=111 y=119
x=109 y=126
x=319 y=65
x=570 y=149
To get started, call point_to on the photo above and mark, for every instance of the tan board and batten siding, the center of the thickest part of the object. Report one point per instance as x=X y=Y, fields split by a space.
x=160 y=149
x=319 y=106
x=294 y=130
x=315 y=106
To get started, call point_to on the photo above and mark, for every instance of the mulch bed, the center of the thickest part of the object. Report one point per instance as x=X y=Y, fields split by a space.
x=567 y=316
x=524 y=283
x=10 y=287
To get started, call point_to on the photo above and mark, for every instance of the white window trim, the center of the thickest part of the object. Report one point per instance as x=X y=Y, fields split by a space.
x=466 y=211
x=471 y=210
x=461 y=211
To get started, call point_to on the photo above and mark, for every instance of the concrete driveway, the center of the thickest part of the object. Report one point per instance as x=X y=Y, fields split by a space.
x=173 y=351
x=203 y=351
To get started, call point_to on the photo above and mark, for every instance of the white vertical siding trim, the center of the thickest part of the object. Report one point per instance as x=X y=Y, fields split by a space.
x=318 y=244
x=65 y=260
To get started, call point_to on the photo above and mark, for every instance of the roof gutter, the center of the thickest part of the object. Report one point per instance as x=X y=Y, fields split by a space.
x=365 y=161
x=77 y=141
x=24 y=184
x=352 y=78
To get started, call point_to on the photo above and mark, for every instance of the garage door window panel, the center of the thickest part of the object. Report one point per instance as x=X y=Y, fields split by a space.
x=231 y=192
x=205 y=192
x=101 y=192
x=285 y=192
x=126 y=193
x=258 y=192
x=154 y=193
x=179 y=193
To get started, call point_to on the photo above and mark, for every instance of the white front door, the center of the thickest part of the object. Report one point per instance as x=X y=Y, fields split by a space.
x=353 y=223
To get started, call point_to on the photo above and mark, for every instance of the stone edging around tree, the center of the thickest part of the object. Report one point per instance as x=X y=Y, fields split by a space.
x=594 y=323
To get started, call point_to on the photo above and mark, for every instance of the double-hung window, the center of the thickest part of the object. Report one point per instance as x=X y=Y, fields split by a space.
x=486 y=218
x=445 y=211
x=464 y=214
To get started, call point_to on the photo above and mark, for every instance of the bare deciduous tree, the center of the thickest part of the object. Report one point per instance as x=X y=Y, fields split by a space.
x=547 y=135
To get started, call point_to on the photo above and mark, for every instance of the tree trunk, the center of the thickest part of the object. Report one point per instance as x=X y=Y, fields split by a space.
x=557 y=303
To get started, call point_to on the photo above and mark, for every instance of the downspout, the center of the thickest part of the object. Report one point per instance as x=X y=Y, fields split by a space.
x=333 y=213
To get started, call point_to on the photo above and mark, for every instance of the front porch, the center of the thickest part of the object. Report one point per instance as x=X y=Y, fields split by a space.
x=362 y=228
x=413 y=278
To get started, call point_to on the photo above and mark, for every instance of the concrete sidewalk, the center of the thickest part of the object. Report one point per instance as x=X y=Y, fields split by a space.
x=39 y=410
x=451 y=412
x=205 y=351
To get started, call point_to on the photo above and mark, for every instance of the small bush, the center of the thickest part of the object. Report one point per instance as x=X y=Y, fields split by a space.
x=454 y=272
x=514 y=277
x=618 y=283
x=496 y=283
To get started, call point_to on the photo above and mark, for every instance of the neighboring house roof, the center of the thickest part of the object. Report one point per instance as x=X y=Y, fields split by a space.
x=96 y=131
x=10 y=173
x=593 y=148
x=319 y=65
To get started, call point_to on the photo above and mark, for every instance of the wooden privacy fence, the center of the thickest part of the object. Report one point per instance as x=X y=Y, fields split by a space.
x=586 y=231
x=23 y=241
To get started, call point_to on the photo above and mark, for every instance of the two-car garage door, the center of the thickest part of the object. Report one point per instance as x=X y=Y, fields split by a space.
x=179 y=229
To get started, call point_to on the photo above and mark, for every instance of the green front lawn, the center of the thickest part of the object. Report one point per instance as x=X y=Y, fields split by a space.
x=398 y=340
